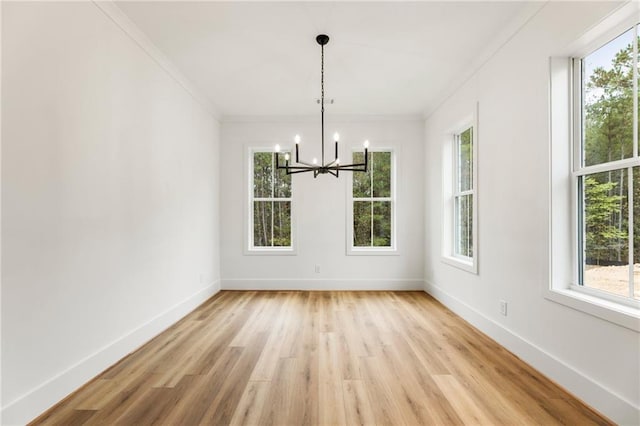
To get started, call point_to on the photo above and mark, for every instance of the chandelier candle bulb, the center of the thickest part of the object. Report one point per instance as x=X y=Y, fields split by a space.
x=277 y=149
x=315 y=161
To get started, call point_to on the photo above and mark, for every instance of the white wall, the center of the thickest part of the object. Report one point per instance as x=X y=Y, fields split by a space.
x=321 y=207
x=596 y=360
x=109 y=198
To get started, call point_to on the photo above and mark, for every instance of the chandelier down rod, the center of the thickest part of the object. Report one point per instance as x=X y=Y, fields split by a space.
x=333 y=167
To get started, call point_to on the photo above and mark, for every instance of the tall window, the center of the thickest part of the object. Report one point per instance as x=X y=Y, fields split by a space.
x=373 y=203
x=459 y=193
x=270 y=203
x=607 y=168
x=463 y=194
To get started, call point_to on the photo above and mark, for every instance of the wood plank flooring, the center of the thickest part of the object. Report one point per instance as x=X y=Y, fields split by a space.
x=321 y=358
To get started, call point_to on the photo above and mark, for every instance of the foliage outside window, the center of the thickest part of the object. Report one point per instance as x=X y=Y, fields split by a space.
x=607 y=168
x=463 y=193
x=373 y=201
x=270 y=202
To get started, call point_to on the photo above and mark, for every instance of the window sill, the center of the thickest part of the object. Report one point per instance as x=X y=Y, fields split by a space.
x=623 y=315
x=466 y=264
x=271 y=251
x=372 y=251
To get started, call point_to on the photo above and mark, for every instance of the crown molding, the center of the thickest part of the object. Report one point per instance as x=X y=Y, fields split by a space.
x=113 y=12
x=314 y=118
x=496 y=45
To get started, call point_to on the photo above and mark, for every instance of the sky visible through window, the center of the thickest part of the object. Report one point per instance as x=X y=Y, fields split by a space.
x=603 y=58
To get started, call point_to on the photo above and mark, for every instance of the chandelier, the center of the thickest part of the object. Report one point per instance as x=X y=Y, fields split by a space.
x=333 y=167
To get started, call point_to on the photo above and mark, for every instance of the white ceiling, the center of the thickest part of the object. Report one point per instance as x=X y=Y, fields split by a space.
x=261 y=58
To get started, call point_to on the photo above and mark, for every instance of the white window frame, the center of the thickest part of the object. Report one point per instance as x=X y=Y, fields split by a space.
x=450 y=193
x=565 y=171
x=250 y=248
x=373 y=251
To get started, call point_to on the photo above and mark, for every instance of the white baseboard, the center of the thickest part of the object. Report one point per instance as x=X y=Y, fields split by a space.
x=322 y=284
x=44 y=396
x=591 y=392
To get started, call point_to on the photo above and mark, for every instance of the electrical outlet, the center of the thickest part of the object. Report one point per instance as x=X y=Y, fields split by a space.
x=317 y=269
x=503 y=307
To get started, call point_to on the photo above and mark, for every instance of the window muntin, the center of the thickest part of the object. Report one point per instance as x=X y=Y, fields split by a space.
x=270 y=203
x=373 y=202
x=607 y=172
x=463 y=193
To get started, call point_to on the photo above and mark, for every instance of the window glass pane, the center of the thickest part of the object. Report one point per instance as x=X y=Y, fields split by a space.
x=381 y=169
x=282 y=223
x=605 y=225
x=464 y=225
x=382 y=223
x=262 y=223
x=636 y=232
x=607 y=101
x=465 y=160
x=362 y=223
x=282 y=183
x=262 y=174
x=361 y=180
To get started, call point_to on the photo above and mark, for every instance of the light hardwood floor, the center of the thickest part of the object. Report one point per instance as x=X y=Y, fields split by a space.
x=328 y=358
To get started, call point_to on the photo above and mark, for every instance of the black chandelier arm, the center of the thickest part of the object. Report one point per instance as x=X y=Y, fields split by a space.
x=352 y=168
x=293 y=166
x=299 y=171
x=299 y=167
x=307 y=164
x=278 y=166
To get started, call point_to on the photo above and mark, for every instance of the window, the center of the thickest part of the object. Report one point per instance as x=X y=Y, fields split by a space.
x=459 y=177
x=463 y=194
x=594 y=226
x=270 y=207
x=372 y=203
x=606 y=169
